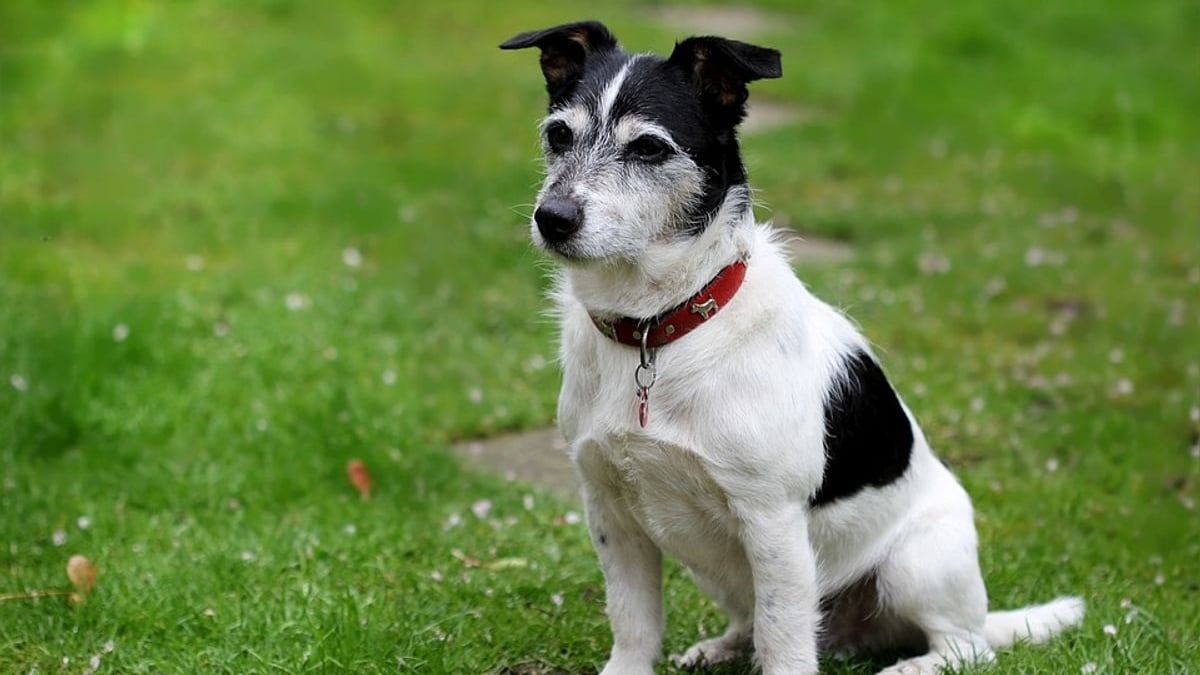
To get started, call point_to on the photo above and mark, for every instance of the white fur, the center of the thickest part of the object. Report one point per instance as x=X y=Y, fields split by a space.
x=609 y=96
x=721 y=476
x=630 y=127
x=575 y=117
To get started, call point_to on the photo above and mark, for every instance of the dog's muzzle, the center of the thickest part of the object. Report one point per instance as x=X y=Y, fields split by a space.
x=557 y=219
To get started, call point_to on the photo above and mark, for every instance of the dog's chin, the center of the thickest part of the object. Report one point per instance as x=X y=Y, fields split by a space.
x=564 y=253
x=568 y=254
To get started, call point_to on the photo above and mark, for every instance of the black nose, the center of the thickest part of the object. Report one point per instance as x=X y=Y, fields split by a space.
x=558 y=218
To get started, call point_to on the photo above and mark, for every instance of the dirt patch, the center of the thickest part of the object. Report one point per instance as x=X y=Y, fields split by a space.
x=537 y=457
x=766 y=115
x=734 y=21
x=811 y=249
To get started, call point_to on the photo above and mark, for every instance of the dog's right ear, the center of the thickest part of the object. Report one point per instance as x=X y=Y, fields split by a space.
x=565 y=51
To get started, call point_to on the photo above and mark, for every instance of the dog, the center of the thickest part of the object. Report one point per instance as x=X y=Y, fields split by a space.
x=716 y=410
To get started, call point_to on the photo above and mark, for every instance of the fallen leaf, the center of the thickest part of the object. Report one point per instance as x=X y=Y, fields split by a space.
x=359 y=478
x=507 y=564
x=466 y=559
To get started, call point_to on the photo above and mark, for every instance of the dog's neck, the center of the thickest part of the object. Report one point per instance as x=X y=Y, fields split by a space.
x=669 y=275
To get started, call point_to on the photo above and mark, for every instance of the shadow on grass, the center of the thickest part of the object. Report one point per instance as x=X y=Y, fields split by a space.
x=40 y=396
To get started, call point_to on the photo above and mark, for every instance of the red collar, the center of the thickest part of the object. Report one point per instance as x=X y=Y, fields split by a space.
x=675 y=323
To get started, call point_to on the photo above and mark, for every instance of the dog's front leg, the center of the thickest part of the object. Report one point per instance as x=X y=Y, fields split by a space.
x=786 y=603
x=632 y=567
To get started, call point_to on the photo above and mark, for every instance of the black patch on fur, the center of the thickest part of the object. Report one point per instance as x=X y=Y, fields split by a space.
x=662 y=92
x=603 y=539
x=868 y=438
x=565 y=51
x=719 y=70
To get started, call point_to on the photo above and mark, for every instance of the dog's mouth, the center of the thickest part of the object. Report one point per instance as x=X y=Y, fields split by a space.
x=567 y=253
x=576 y=253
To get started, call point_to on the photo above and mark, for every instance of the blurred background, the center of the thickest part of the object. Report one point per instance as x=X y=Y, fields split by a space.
x=242 y=243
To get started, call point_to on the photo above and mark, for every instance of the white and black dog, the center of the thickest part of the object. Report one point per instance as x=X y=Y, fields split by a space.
x=718 y=411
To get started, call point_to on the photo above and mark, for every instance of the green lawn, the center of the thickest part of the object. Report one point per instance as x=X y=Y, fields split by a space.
x=189 y=355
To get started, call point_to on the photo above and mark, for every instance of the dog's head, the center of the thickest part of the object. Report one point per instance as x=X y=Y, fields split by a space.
x=640 y=150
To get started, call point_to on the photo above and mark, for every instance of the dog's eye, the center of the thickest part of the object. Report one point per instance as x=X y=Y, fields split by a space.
x=648 y=149
x=559 y=137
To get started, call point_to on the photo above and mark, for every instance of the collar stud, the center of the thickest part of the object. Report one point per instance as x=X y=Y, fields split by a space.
x=680 y=320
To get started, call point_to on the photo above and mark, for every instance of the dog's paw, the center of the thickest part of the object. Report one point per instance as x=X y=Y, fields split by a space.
x=625 y=669
x=907 y=669
x=709 y=653
x=917 y=666
x=845 y=654
x=624 y=664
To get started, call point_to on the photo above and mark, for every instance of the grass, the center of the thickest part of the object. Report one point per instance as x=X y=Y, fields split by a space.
x=1020 y=182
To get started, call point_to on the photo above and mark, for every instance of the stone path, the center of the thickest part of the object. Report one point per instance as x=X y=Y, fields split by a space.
x=812 y=250
x=733 y=21
x=766 y=115
x=537 y=457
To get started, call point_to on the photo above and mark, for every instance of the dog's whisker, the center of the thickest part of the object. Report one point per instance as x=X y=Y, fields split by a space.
x=523 y=210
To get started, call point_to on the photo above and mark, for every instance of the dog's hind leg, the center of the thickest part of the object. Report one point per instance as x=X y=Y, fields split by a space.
x=931 y=580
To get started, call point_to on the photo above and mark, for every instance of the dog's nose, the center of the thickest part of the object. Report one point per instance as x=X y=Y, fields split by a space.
x=558 y=218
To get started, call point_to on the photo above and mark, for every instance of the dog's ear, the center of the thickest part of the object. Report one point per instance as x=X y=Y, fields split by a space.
x=719 y=70
x=565 y=50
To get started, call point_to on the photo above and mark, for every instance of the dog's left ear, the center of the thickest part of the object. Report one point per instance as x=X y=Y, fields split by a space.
x=565 y=51
x=720 y=69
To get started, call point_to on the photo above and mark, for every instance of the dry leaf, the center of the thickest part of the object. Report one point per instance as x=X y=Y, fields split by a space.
x=466 y=559
x=497 y=564
x=82 y=573
x=507 y=564
x=359 y=478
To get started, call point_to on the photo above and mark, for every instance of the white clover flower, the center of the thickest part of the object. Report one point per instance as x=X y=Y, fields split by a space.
x=481 y=508
x=296 y=301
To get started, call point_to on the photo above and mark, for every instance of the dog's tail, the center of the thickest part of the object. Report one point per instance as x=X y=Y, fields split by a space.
x=1034 y=624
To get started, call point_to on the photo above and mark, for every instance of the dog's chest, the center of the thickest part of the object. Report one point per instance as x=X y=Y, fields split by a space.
x=670 y=492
